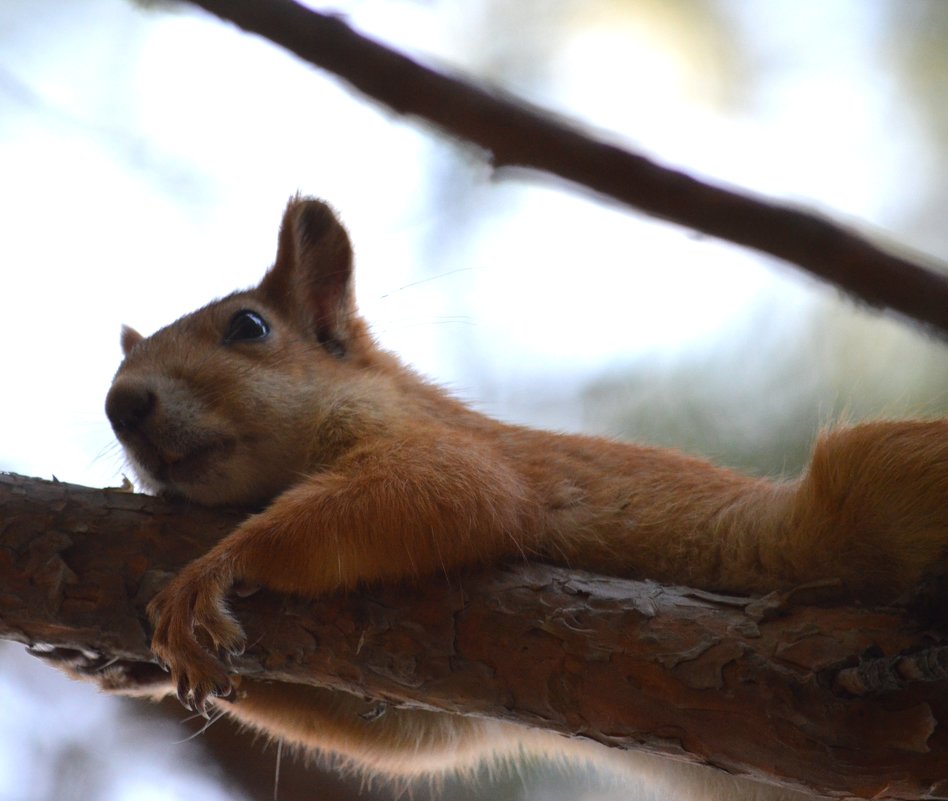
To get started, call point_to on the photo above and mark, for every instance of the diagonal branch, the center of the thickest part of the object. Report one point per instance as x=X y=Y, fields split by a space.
x=744 y=685
x=516 y=134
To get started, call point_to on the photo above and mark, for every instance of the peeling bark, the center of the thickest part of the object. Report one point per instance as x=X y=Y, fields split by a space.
x=757 y=686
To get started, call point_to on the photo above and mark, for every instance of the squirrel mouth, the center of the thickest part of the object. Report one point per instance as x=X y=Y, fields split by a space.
x=175 y=468
x=197 y=463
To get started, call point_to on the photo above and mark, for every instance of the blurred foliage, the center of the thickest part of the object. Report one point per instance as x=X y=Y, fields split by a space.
x=757 y=403
x=916 y=43
x=916 y=47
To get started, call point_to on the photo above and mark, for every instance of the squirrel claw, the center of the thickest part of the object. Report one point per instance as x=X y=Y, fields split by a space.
x=237 y=648
x=197 y=697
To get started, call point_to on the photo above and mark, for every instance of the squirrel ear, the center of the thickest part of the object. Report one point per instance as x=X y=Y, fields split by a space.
x=129 y=339
x=312 y=276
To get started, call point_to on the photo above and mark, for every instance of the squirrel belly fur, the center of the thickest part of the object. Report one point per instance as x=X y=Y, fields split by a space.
x=279 y=398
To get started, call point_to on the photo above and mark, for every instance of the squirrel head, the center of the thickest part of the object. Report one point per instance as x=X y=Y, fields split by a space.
x=232 y=403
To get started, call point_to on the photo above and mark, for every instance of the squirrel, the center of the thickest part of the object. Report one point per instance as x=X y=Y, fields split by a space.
x=279 y=398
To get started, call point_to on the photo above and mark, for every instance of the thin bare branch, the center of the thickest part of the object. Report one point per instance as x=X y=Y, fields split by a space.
x=516 y=134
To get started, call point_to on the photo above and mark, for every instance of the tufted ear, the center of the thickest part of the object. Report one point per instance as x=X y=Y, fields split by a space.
x=312 y=277
x=129 y=339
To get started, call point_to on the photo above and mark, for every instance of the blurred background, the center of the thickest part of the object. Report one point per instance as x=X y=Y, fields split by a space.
x=146 y=154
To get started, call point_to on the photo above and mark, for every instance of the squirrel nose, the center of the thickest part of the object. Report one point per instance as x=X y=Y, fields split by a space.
x=128 y=405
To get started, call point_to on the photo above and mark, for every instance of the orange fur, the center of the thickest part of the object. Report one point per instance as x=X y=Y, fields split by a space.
x=368 y=473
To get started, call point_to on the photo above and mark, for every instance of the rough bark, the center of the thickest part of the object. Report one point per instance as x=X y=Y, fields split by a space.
x=752 y=686
x=518 y=135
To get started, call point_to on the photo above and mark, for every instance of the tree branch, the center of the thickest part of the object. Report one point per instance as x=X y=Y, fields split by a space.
x=746 y=685
x=516 y=134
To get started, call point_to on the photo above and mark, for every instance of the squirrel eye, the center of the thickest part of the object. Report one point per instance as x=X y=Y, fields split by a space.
x=246 y=326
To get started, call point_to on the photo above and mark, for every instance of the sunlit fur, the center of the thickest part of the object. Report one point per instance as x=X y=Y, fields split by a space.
x=368 y=473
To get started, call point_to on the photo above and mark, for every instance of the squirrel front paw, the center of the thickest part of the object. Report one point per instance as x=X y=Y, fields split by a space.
x=191 y=606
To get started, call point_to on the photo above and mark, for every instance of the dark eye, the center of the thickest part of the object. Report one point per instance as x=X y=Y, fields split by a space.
x=246 y=326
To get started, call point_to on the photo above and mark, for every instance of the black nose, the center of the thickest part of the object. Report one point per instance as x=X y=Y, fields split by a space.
x=128 y=405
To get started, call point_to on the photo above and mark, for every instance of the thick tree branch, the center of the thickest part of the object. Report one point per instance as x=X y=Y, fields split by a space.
x=518 y=135
x=744 y=685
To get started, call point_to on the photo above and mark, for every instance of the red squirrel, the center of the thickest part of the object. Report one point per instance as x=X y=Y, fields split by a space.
x=278 y=397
